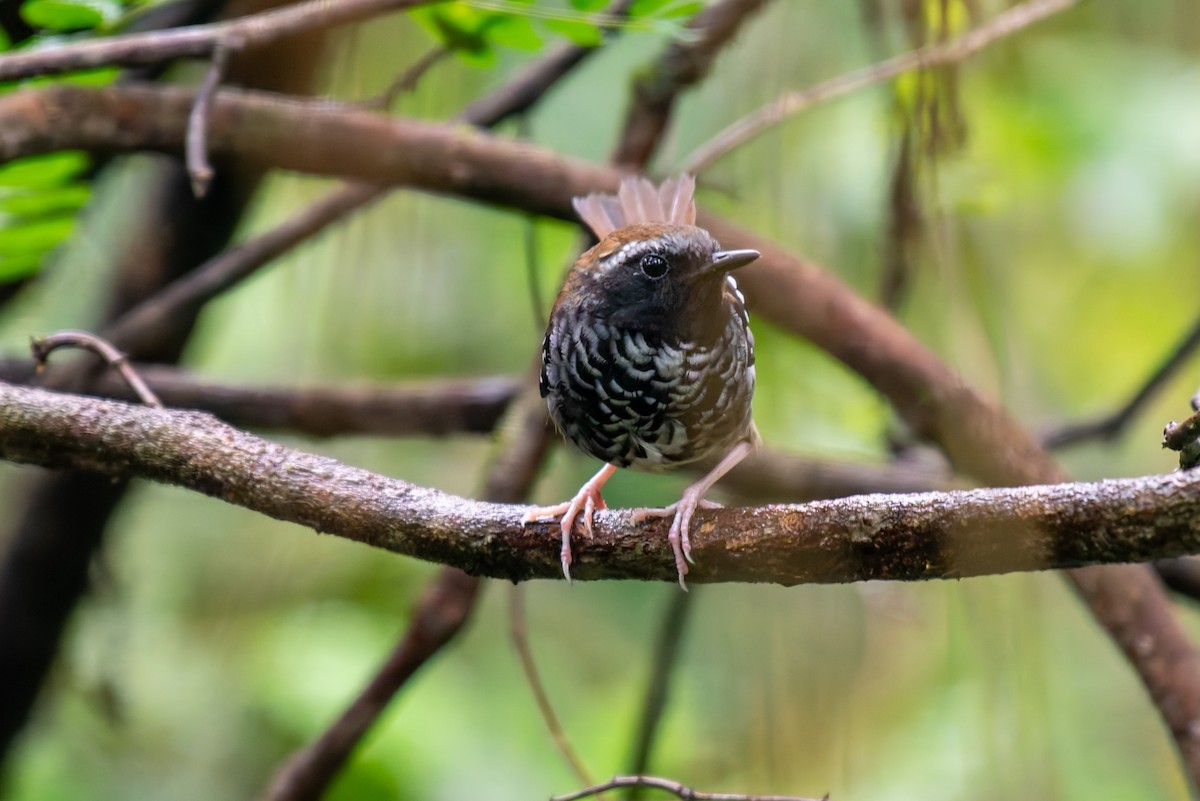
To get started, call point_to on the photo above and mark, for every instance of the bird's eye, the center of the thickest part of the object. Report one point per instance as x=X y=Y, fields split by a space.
x=653 y=265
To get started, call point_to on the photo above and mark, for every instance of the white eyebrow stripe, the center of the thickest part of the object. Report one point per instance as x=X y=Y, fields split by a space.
x=666 y=243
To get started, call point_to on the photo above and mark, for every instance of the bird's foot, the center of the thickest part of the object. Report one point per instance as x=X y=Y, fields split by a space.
x=583 y=505
x=683 y=509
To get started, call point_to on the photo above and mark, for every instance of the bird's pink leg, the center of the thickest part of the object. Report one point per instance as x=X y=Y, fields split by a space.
x=588 y=499
x=685 y=507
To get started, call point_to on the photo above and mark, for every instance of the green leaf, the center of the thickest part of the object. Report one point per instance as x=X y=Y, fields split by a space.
x=34 y=236
x=584 y=34
x=461 y=29
x=646 y=8
x=45 y=202
x=14 y=268
x=53 y=169
x=664 y=9
x=483 y=56
x=509 y=30
x=71 y=15
x=688 y=8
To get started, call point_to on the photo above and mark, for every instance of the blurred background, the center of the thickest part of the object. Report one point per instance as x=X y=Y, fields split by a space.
x=1033 y=215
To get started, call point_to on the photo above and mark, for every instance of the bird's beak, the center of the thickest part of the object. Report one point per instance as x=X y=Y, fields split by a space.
x=725 y=260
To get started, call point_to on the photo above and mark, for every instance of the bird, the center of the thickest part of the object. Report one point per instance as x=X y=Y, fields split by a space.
x=648 y=358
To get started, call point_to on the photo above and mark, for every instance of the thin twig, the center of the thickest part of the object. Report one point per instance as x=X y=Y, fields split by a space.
x=520 y=640
x=662 y=668
x=407 y=81
x=142 y=326
x=682 y=65
x=44 y=346
x=198 y=167
x=428 y=407
x=1110 y=426
x=194 y=41
x=681 y=791
x=748 y=127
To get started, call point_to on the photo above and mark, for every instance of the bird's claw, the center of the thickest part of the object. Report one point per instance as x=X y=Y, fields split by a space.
x=678 y=535
x=583 y=506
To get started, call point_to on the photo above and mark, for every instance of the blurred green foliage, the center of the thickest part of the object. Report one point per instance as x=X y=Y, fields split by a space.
x=1057 y=267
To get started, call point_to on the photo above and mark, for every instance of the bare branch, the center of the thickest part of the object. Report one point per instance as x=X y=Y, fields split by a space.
x=198 y=166
x=900 y=537
x=430 y=407
x=314 y=136
x=681 y=791
x=1109 y=426
x=194 y=41
x=43 y=347
x=440 y=614
x=965 y=46
x=518 y=632
x=770 y=476
x=684 y=64
x=143 y=326
x=406 y=81
x=662 y=670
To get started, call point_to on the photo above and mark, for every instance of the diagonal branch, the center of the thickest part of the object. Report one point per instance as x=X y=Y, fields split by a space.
x=742 y=131
x=684 y=64
x=440 y=614
x=1111 y=425
x=899 y=537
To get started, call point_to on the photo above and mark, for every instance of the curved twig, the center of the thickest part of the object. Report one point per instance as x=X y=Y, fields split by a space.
x=680 y=791
x=518 y=632
x=198 y=166
x=42 y=347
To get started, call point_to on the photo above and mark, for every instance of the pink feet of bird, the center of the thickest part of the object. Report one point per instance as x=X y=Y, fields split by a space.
x=589 y=499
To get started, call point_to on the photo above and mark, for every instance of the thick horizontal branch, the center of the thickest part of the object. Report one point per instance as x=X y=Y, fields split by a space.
x=902 y=537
